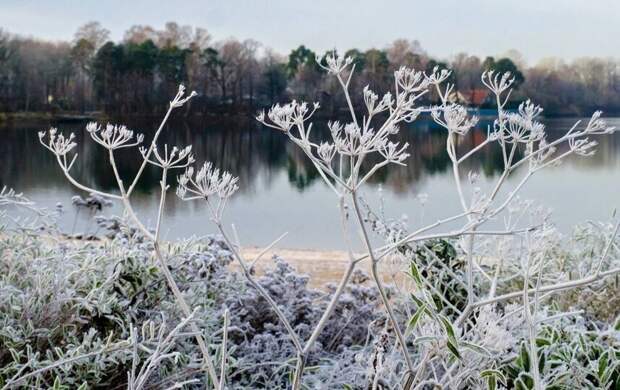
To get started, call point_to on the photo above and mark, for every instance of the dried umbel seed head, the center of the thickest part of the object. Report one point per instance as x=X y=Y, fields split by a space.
x=372 y=102
x=596 y=125
x=57 y=143
x=410 y=80
x=455 y=118
x=113 y=136
x=582 y=147
x=170 y=159
x=529 y=111
x=179 y=100
x=206 y=182
x=438 y=75
x=518 y=129
x=326 y=151
x=284 y=117
x=497 y=82
x=394 y=152
x=350 y=139
x=334 y=64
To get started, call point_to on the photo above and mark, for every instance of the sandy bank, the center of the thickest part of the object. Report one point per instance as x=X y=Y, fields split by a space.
x=322 y=266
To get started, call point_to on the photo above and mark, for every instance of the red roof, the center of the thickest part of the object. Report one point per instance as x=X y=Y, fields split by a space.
x=477 y=96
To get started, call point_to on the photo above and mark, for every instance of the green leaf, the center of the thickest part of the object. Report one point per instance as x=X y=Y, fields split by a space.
x=607 y=376
x=476 y=348
x=424 y=339
x=416 y=317
x=15 y=354
x=454 y=350
x=417 y=300
x=582 y=343
x=541 y=361
x=494 y=373
x=449 y=330
x=524 y=358
x=415 y=273
x=347 y=387
x=437 y=302
x=491 y=383
x=602 y=364
x=526 y=380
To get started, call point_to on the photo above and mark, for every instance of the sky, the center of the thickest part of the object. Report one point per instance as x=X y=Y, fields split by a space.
x=537 y=28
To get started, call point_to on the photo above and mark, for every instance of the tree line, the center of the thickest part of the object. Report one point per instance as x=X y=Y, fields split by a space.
x=139 y=74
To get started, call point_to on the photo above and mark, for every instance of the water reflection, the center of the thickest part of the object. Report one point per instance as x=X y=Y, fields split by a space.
x=276 y=178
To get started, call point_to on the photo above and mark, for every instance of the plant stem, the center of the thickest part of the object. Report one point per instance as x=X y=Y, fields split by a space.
x=377 y=279
x=531 y=324
x=331 y=306
x=186 y=311
x=162 y=262
x=299 y=370
x=332 y=303
x=224 y=351
x=259 y=288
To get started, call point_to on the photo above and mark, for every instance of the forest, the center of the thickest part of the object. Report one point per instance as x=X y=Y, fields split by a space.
x=93 y=74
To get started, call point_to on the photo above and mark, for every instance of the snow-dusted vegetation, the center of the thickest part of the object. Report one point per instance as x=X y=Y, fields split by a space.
x=492 y=297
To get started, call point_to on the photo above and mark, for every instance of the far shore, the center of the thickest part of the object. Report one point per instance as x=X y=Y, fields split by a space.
x=217 y=113
x=46 y=116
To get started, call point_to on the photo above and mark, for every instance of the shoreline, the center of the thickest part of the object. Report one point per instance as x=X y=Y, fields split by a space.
x=321 y=266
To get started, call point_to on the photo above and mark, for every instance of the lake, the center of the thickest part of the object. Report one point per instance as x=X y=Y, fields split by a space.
x=281 y=192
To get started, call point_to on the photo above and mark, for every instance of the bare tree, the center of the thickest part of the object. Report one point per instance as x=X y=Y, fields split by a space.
x=139 y=34
x=403 y=52
x=174 y=35
x=94 y=33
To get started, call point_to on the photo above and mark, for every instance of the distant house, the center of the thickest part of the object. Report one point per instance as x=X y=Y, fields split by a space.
x=479 y=97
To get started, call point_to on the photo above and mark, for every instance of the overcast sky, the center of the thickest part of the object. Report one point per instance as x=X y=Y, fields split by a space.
x=536 y=28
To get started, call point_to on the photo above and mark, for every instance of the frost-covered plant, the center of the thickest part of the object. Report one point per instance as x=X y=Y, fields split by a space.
x=570 y=355
x=68 y=308
x=263 y=348
x=113 y=138
x=93 y=301
x=59 y=311
x=40 y=218
x=8 y=196
x=340 y=162
x=343 y=163
x=162 y=344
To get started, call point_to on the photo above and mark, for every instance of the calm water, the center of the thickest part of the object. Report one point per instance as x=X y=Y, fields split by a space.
x=281 y=192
